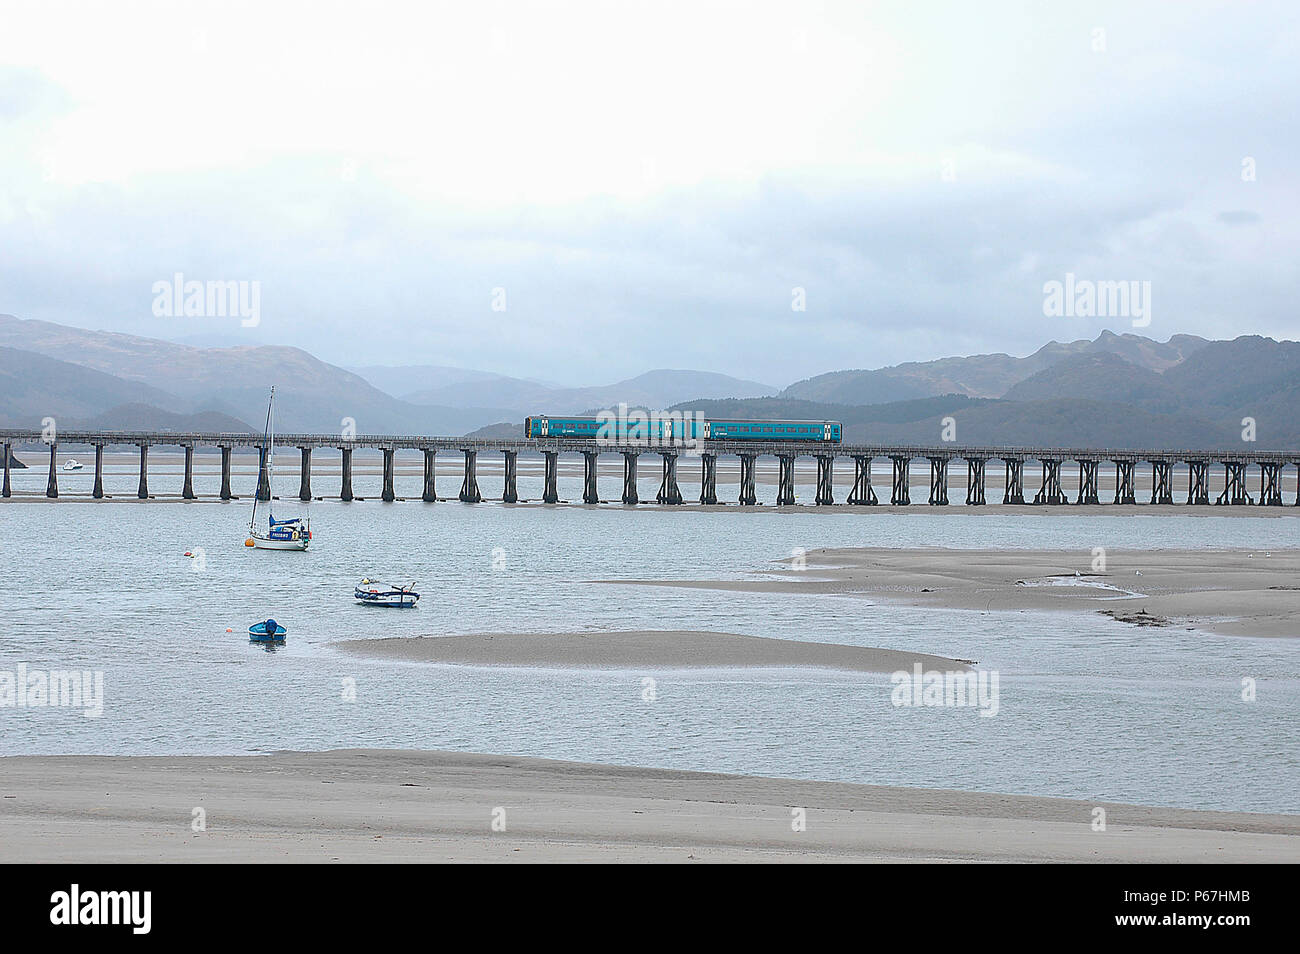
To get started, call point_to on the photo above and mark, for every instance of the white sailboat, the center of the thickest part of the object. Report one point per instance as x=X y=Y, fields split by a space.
x=291 y=534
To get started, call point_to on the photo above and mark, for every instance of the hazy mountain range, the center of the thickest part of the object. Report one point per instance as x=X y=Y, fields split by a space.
x=1113 y=392
x=983 y=375
x=108 y=380
x=1116 y=391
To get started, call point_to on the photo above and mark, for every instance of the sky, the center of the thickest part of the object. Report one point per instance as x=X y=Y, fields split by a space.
x=580 y=192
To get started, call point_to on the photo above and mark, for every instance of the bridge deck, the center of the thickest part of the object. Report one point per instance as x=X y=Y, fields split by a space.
x=721 y=448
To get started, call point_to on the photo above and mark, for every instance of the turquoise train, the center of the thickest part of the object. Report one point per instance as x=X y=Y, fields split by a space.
x=637 y=429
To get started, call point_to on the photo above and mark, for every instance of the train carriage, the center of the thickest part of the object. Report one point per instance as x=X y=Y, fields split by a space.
x=644 y=429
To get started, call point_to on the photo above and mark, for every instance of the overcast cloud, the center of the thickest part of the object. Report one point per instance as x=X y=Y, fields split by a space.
x=649 y=184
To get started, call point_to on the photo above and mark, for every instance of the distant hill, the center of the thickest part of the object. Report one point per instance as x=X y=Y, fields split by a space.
x=780 y=408
x=1117 y=391
x=500 y=431
x=996 y=423
x=984 y=375
x=312 y=396
x=145 y=417
x=34 y=387
x=1100 y=375
x=1238 y=375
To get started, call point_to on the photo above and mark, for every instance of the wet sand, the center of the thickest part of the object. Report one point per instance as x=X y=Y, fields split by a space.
x=409 y=806
x=1236 y=593
x=669 y=649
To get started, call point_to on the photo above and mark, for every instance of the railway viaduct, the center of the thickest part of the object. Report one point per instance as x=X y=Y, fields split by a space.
x=1233 y=488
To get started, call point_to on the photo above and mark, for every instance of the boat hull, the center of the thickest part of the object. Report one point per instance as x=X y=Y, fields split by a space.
x=266 y=543
x=257 y=633
x=395 y=597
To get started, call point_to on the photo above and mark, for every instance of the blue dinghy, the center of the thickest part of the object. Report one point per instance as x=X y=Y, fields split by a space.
x=268 y=632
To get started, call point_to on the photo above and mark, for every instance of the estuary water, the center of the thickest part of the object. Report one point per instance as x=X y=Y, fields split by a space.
x=1089 y=708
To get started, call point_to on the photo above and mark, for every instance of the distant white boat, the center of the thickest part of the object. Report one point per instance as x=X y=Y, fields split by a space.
x=72 y=464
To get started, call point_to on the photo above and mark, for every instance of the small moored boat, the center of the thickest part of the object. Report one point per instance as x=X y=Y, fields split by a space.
x=72 y=464
x=291 y=534
x=373 y=593
x=267 y=632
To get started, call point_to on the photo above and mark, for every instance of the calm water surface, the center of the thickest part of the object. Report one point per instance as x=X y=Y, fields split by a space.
x=1089 y=708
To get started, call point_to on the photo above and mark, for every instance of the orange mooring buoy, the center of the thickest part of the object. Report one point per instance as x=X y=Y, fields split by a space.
x=248 y=542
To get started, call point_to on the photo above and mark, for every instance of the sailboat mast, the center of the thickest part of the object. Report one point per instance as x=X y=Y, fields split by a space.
x=270 y=430
x=268 y=445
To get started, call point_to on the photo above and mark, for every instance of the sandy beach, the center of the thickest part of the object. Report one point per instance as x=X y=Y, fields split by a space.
x=670 y=649
x=407 y=806
x=1237 y=593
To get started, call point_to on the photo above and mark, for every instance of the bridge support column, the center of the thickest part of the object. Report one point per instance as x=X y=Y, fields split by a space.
x=1015 y=491
x=187 y=491
x=550 y=489
x=630 y=495
x=938 y=481
x=6 y=450
x=1051 y=492
x=902 y=493
x=469 y=486
x=1198 y=481
x=1234 y=484
x=862 y=494
x=52 y=483
x=98 y=492
x=975 y=481
x=263 y=478
x=1124 y=489
x=1270 y=484
x=143 y=491
x=511 y=492
x=708 y=479
x=1162 y=482
x=748 y=497
x=345 y=490
x=590 y=462
x=785 y=481
x=390 y=491
x=669 y=492
x=430 y=492
x=304 y=474
x=225 y=472
x=1088 y=482
x=825 y=480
